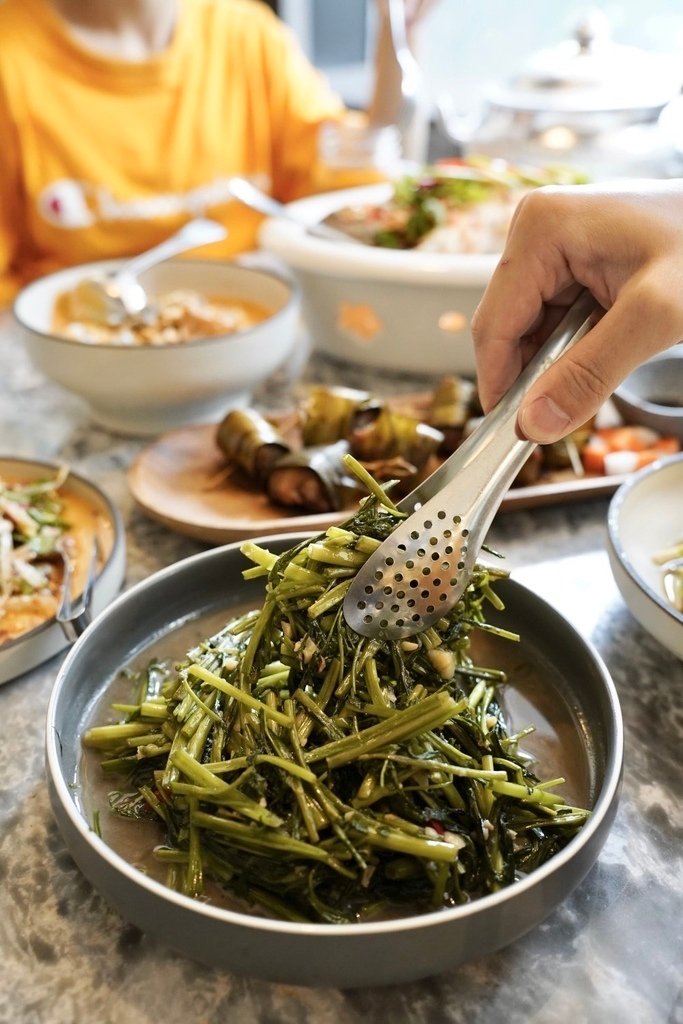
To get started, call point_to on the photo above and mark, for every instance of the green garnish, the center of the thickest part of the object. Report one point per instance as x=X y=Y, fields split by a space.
x=428 y=197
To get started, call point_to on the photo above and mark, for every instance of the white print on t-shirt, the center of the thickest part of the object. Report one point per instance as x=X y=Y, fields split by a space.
x=77 y=204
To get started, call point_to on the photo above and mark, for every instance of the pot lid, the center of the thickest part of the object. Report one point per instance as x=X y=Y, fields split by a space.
x=591 y=73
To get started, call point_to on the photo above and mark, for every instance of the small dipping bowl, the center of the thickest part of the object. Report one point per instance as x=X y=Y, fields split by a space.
x=652 y=395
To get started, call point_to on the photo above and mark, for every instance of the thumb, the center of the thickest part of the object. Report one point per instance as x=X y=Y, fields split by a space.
x=571 y=391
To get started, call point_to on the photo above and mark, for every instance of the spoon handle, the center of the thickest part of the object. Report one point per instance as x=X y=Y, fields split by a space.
x=255 y=199
x=195 y=233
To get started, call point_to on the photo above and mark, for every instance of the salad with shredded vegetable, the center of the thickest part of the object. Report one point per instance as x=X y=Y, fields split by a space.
x=454 y=206
x=32 y=529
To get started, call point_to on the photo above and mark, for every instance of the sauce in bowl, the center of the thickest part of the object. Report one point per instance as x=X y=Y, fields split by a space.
x=181 y=315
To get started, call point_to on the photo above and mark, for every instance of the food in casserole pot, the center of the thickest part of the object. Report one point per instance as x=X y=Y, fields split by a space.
x=455 y=206
x=178 y=316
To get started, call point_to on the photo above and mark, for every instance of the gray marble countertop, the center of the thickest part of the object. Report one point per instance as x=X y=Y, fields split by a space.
x=612 y=952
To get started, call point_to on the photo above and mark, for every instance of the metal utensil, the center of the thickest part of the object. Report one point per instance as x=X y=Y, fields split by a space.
x=672 y=581
x=254 y=198
x=421 y=570
x=119 y=296
x=413 y=121
x=74 y=615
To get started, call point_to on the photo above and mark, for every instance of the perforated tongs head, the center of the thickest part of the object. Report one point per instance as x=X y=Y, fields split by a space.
x=421 y=570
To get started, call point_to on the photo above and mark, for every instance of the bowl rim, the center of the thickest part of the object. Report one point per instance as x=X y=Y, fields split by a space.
x=614 y=534
x=628 y=395
x=605 y=801
x=292 y=302
x=119 y=538
x=302 y=251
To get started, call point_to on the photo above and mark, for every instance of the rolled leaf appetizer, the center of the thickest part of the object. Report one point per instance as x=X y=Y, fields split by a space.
x=251 y=442
x=330 y=414
x=452 y=404
x=314 y=479
x=393 y=434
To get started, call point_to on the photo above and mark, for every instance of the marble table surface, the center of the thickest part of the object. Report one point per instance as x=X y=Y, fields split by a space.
x=612 y=952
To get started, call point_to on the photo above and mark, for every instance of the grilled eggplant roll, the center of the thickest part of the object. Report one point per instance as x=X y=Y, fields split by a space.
x=392 y=435
x=451 y=406
x=251 y=442
x=313 y=479
x=331 y=413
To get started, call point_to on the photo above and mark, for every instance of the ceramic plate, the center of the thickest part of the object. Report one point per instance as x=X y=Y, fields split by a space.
x=562 y=686
x=180 y=480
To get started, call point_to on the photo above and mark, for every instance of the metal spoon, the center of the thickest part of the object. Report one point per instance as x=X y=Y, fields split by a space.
x=421 y=570
x=74 y=615
x=254 y=198
x=413 y=118
x=119 y=296
x=672 y=581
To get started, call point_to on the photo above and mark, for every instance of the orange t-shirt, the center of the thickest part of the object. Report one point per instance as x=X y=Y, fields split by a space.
x=102 y=158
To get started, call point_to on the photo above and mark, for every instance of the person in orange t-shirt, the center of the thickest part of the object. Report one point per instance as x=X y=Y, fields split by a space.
x=121 y=121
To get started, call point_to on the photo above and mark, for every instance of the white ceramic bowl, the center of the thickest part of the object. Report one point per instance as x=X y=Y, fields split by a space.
x=144 y=391
x=33 y=648
x=646 y=516
x=406 y=311
x=652 y=394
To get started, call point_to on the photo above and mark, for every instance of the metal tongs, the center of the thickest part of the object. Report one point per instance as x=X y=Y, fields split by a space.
x=73 y=615
x=422 y=569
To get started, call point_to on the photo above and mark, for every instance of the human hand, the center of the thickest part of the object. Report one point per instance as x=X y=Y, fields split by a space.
x=623 y=243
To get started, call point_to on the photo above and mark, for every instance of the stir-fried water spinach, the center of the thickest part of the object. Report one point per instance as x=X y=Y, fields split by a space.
x=323 y=776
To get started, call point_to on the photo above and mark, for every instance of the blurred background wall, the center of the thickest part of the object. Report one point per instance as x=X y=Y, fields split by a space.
x=467 y=43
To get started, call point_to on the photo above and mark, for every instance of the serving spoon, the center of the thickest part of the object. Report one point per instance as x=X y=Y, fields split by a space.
x=672 y=581
x=118 y=297
x=73 y=615
x=423 y=567
x=253 y=197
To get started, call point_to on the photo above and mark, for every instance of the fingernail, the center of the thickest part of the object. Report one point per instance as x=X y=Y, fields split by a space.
x=543 y=421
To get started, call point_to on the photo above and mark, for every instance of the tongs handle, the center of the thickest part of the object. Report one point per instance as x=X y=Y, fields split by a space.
x=74 y=615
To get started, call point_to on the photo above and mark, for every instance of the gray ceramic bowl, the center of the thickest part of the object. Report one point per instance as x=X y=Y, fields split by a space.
x=574 y=685
x=652 y=395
